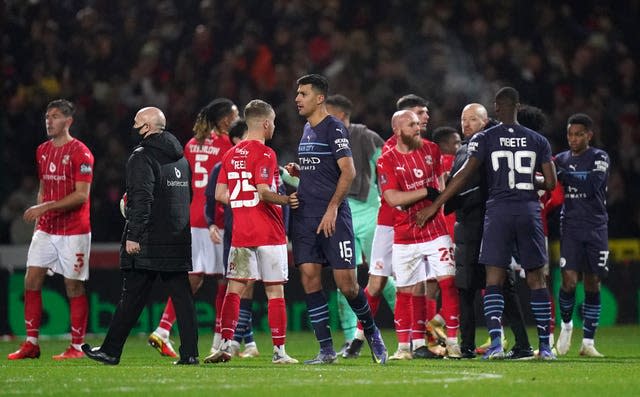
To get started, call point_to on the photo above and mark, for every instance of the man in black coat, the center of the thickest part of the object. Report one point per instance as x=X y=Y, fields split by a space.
x=469 y=206
x=156 y=241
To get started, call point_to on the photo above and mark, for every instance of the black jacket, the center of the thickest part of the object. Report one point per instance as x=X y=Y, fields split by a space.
x=469 y=205
x=158 y=199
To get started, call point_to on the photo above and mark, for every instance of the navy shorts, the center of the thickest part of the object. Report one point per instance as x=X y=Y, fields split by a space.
x=308 y=247
x=506 y=233
x=585 y=250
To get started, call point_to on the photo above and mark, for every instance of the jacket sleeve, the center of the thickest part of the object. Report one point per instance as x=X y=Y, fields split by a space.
x=210 y=195
x=140 y=182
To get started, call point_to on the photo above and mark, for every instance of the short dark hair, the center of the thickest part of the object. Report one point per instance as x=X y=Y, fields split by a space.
x=410 y=101
x=532 y=117
x=317 y=81
x=508 y=96
x=341 y=102
x=257 y=109
x=64 y=106
x=581 y=118
x=217 y=109
x=441 y=134
x=237 y=129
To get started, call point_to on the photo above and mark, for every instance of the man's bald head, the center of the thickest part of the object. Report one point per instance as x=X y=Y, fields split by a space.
x=152 y=117
x=474 y=117
x=399 y=117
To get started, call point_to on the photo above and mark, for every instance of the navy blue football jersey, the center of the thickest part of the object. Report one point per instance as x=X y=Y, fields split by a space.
x=511 y=155
x=318 y=153
x=584 y=179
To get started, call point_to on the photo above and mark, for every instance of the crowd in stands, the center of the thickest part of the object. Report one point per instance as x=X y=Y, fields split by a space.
x=113 y=57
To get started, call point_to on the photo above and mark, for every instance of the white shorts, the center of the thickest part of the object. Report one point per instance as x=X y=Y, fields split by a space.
x=381 y=251
x=412 y=262
x=442 y=263
x=65 y=255
x=205 y=255
x=268 y=263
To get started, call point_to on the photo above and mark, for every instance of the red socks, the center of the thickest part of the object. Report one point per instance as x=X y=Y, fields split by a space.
x=220 y=295
x=277 y=313
x=403 y=316
x=79 y=306
x=419 y=317
x=168 y=316
x=450 y=306
x=230 y=314
x=32 y=312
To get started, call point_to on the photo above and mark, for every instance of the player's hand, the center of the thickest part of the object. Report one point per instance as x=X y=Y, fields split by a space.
x=214 y=234
x=34 y=212
x=425 y=214
x=132 y=247
x=293 y=200
x=328 y=222
x=293 y=169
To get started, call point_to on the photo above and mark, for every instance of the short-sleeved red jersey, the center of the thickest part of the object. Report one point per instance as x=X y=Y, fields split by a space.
x=255 y=222
x=59 y=168
x=202 y=157
x=407 y=172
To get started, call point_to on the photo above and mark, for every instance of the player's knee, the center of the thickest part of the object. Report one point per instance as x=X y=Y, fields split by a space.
x=349 y=290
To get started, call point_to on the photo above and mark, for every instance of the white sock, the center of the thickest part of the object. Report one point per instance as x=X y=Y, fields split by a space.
x=568 y=325
x=403 y=346
x=587 y=342
x=251 y=344
x=279 y=349
x=77 y=346
x=417 y=343
x=452 y=340
x=217 y=337
x=162 y=333
x=32 y=339
x=359 y=334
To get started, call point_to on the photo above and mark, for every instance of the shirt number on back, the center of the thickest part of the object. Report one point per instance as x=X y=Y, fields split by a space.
x=514 y=163
x=242 y=184
x=200 y=170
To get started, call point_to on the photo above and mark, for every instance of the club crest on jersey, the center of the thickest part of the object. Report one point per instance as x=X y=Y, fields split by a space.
x=65 y=159
x=85 y=168
x=52 y=167
x=178 y=173
x=428 y=159
x=418 y=172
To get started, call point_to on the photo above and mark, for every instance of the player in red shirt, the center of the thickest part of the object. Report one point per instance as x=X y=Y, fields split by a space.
x=203 y=151
x=405 y=173
x=248 y=183
x=62 y=239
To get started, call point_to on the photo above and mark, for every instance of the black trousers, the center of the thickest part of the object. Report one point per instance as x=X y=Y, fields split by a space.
x=470 y=278
x=136 y=288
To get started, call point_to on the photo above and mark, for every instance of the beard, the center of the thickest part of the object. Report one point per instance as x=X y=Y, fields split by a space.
x=413 y=142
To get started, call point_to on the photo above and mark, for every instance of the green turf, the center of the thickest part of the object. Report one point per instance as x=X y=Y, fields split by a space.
x=142 y=372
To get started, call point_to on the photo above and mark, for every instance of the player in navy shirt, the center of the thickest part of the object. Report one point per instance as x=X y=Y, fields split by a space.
x=511 y=155
x=321 y=229
x=584 y=250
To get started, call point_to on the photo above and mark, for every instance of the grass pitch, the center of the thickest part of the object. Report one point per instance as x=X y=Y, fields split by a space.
x=142 y=372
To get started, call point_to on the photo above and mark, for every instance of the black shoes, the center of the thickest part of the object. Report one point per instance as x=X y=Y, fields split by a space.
x=520 y=353
x=468 y=353
x=424 y=352
x=97 y=355
x=187 y=361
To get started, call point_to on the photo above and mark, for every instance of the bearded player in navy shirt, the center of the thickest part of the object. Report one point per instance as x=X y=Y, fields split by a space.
x=584 y=250
x=321 y=229
x=511 y=154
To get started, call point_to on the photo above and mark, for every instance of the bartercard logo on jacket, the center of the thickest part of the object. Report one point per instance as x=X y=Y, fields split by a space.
x=178 y=173
x=85 y=168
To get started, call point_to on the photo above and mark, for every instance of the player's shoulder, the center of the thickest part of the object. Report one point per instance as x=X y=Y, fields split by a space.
x=562 y=156
x=331 y=124
x=598 y=153
x=79 y=147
